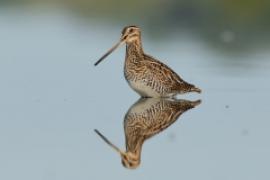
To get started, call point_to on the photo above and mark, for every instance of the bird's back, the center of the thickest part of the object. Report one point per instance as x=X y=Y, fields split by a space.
x=150 y=77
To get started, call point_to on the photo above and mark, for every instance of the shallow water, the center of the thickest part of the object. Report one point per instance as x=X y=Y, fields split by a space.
x=52 y=98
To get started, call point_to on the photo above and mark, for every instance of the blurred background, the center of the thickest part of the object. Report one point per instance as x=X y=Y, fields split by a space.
x=52 y=97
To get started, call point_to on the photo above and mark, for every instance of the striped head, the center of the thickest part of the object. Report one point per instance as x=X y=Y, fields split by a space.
x=130 y=160
x=131 y=34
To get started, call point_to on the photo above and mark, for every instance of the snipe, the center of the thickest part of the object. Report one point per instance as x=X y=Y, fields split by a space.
x=145 y=74
x=146 y=118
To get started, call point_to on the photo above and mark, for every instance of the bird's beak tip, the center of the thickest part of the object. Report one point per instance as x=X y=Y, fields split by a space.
x=109 y=52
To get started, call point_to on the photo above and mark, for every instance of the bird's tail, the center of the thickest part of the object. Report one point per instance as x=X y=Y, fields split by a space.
x=195 y=89
x=196 y=103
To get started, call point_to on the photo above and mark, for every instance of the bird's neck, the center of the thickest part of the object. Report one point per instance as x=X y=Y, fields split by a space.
x=134 y=49
x=136 y=150
x=134 y=143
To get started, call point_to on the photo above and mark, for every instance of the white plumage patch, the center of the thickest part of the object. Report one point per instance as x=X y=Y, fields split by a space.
x=143 y=89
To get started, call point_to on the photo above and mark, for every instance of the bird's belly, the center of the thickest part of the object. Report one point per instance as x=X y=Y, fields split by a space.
x=143 y=89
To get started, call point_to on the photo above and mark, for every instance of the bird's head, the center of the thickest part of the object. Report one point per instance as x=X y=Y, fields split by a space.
x=130 y=34
x=130 y=160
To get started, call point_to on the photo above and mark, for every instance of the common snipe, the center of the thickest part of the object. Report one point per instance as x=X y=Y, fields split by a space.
x=146 y=118
x=146 y=75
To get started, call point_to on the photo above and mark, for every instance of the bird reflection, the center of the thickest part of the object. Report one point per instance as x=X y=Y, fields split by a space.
x=146 y=118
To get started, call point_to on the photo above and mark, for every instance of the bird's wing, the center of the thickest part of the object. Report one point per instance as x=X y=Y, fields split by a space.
x=161 y=72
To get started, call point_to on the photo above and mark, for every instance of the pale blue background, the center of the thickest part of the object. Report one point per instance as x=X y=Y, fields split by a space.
x=52 y=97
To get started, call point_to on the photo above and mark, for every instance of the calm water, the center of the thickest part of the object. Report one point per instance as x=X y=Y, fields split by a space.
x=52 y=98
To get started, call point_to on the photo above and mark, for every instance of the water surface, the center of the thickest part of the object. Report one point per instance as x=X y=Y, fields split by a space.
x=52 y=98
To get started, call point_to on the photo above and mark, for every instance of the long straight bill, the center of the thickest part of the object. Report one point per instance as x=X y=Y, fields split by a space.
x=108 y=142
x=109 y=52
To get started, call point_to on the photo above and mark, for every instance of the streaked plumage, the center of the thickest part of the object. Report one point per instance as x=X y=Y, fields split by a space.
x=146 y=75
x=146 y=118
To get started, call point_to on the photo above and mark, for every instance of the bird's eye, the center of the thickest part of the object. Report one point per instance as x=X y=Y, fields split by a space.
x=131 y=30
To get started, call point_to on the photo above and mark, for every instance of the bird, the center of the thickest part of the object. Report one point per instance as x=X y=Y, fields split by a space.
x=146 y=75
x=146 y=118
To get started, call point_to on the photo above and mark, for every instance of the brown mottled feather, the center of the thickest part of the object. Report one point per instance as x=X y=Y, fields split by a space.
x=148 y=117
x=144 y=72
